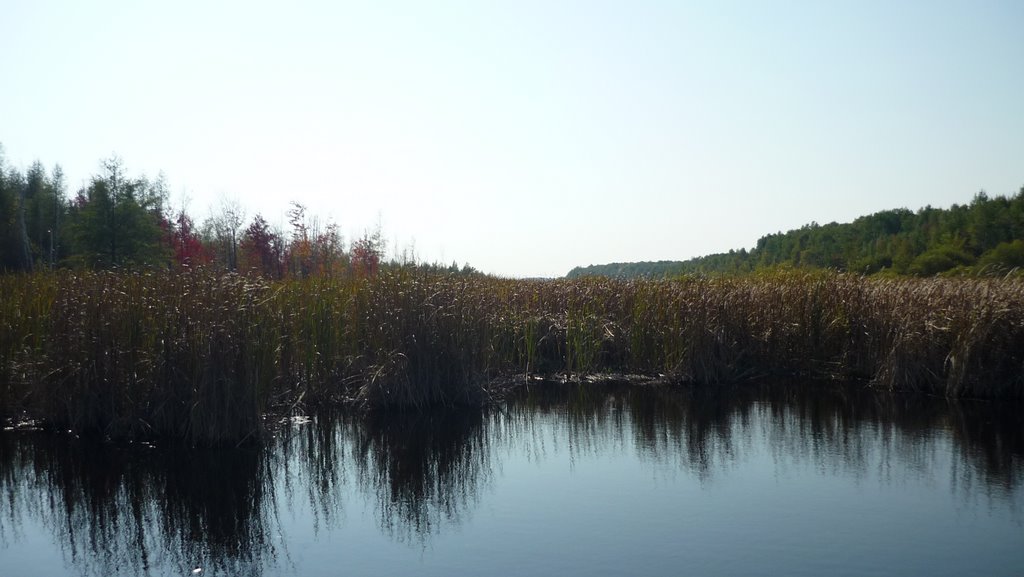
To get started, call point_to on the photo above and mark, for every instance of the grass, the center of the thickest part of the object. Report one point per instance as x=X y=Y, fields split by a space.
x=202 y=356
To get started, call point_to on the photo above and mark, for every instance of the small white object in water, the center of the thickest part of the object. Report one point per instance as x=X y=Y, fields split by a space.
x=197 y=570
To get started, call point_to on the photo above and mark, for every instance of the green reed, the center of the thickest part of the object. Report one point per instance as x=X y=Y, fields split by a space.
x=202 y=356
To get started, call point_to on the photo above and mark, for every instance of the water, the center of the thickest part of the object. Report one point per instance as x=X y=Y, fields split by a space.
x=567 y=481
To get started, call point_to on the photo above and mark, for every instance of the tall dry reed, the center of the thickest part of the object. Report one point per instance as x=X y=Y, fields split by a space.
x=202 y=356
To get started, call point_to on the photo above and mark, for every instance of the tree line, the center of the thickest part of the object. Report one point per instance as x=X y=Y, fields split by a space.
x=126 y=222
x=985 y=236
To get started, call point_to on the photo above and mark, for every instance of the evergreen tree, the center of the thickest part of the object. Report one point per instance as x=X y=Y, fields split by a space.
x=9 y=178
x=117 y=220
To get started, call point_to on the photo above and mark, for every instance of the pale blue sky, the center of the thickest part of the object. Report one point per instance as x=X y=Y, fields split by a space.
x=529 y=137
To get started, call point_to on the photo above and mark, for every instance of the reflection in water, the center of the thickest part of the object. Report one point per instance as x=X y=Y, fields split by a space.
x=838 y=430
x=422 y=470
x=425 y=469
x=142 y=511
x=139 y=510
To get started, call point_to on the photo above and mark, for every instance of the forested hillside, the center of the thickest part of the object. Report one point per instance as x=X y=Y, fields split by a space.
x=985 y=236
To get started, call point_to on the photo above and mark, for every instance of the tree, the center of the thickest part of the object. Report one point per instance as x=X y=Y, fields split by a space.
x=261 y=249
x=367 y=253
x=1004 y=257
x=8 y=256
x=941 y=258
x=24 y=253
x=116 y=219
x=188 y=248
x=329 y=256
x=44 y=212
x=300 y=249
x=989 y=223
x=225 y=227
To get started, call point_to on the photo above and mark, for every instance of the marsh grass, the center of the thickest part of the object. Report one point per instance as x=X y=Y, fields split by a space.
x=201 y=356
x=191 y=355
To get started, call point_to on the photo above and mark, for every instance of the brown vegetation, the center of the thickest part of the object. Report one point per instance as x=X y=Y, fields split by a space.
x=202 y=356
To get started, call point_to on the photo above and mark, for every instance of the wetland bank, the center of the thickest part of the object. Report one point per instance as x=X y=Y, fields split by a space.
x=201 y=356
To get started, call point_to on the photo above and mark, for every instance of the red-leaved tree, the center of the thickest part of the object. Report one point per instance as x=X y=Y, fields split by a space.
x=366 y=255
x=188 y=248
x=261 y=249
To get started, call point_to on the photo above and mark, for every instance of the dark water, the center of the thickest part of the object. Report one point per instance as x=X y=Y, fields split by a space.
x=578 y=481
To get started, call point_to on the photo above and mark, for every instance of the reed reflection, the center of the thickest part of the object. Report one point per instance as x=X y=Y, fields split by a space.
x=310 y=456
x=143 y=511
x=425 y=469
x=138 y=510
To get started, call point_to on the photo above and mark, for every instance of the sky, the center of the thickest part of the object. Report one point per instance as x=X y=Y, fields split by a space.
x=527 y=137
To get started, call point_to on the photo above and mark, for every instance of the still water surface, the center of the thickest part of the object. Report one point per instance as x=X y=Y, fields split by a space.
x=560 y=481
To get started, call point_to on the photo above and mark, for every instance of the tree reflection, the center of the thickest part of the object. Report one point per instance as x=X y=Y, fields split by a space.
x=138 y=510
x=846 y=430
x=143 y=511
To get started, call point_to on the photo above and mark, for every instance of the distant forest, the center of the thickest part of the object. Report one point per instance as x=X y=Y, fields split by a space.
x=121 y=221
x=983 y=237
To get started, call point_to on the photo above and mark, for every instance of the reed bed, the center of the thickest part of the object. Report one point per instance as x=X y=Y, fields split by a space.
x=202 y=356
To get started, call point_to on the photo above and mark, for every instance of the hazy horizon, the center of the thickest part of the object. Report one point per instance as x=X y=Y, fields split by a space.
x=528 y=138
